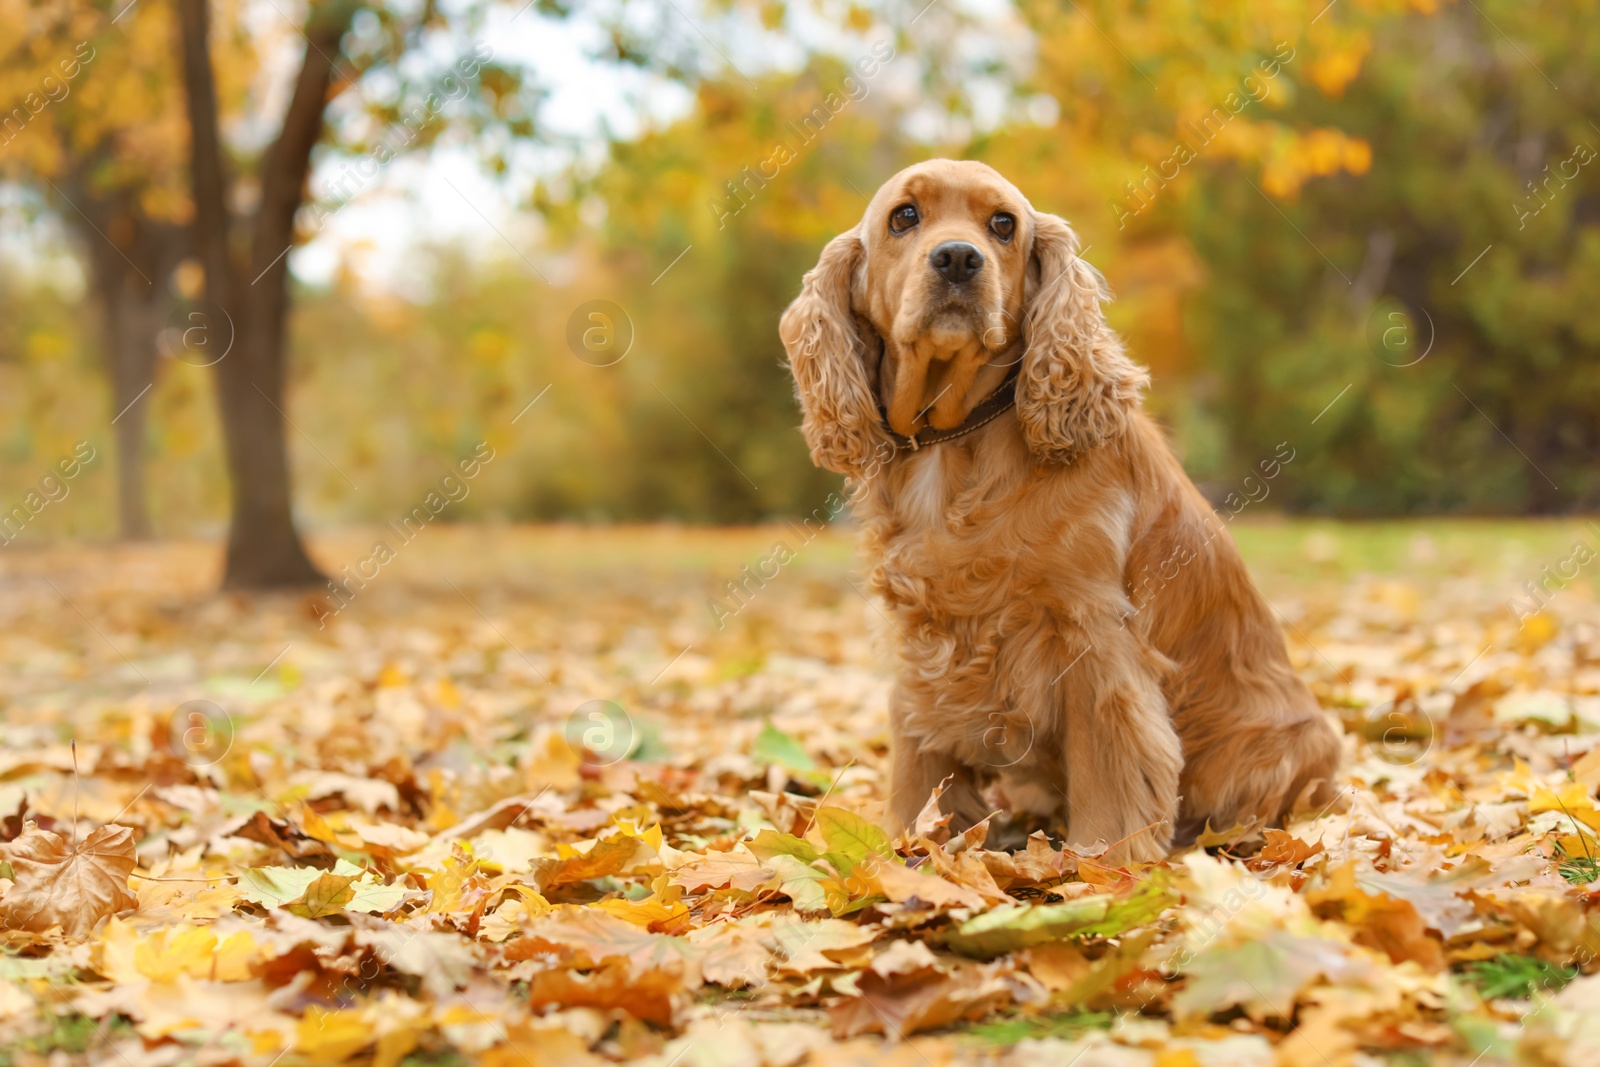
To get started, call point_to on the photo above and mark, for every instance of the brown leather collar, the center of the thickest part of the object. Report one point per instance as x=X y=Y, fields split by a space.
x=990 y=408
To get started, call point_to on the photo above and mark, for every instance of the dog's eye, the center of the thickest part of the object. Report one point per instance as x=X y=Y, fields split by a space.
x=1003 y=225
x=903 y=218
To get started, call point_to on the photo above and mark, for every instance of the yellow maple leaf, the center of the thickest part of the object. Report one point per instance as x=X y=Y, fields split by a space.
x=123 y=954
x=652 y=909
x=332 y=1036
x=165 y=954
x=1572 y=799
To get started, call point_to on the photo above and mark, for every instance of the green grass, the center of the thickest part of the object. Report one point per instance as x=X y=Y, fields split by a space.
x=1578 y=870
x=1415 y=549
x=1517 y=976
x=1022 y=1027
x=72 y=1034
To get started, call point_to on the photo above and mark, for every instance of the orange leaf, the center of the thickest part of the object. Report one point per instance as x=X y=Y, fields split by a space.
x=606 y=857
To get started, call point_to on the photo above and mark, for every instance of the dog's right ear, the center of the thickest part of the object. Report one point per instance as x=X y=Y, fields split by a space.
x=828 y=358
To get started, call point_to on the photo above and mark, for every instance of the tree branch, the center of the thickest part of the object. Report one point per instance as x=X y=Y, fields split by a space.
x=287 y=164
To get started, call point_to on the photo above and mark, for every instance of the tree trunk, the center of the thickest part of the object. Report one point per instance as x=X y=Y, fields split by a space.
x=130 y=355
x=264 y=547
x=131 y=257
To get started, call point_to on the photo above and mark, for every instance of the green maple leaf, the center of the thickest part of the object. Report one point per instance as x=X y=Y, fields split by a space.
x=994 y=933
x=775 y=746
x=770 y=843
x=850 y=839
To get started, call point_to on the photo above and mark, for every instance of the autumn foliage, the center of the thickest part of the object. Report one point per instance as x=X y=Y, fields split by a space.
x=526 y=800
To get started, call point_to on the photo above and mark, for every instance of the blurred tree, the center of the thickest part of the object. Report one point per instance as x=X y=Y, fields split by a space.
x=380 y=51
x=94 y=130
x=1262 y=183
x=264 y=548
x=246 y=211
x=746 y=189
x=1449 y=289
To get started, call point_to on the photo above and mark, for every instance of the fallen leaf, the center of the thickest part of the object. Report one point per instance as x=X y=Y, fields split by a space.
x=900 y=1005
x=1264 y=977
x=1285 y=849
x=70 y=884
x=652 y=995
x=738 y=870
x=903 y=885
x=609 y=856
x=327 y=894
x=1003 y=930
x=851 y=840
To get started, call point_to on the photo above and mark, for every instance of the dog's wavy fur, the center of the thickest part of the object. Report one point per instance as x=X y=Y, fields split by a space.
x=1009 y=558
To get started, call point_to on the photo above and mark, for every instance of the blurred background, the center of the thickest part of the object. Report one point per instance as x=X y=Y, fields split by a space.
x=284 y=269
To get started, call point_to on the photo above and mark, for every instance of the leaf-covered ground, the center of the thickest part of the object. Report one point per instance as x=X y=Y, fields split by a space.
x=523 y=801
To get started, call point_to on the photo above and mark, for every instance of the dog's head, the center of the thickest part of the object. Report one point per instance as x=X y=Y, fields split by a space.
x=948 y=281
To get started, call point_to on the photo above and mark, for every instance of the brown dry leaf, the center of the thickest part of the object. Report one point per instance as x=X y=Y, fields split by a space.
x=737 y=870
x=540 y=1046
x=968 y=870
x=1059 y=965
x=291 y=840
x=653 y=995
x=931 y=823
x=1586 y=769
x=902 y=1004
x=802 y=946
x=737 y=956
x=72 y=885
x=904 y=957
x=904 y=884
x=1040 y=863
x=585 y=937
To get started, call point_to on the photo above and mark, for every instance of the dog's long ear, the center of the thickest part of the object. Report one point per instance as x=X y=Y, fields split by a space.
x=1077 y=388
x=828 y=355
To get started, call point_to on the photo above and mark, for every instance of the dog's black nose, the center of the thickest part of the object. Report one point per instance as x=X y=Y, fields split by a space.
x=956 y=261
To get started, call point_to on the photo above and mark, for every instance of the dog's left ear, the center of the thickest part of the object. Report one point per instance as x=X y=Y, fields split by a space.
x=1077 y=389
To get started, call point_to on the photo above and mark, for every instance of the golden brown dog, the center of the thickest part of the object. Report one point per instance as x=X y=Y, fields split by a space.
x=1007 y=539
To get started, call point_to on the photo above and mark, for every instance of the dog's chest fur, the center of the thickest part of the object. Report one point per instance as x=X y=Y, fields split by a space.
x=988 y=567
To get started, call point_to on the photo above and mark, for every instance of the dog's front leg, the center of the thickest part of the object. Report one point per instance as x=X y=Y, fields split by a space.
x=1123 y=758
x=916 y=770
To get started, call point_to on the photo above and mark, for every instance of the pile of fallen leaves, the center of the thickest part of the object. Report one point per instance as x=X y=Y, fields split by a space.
x=546 y=811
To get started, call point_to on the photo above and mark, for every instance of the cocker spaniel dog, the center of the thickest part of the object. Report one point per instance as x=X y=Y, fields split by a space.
x=1075 y=628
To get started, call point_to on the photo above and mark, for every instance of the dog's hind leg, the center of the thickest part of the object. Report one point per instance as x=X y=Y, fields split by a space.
x=1256 y=773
